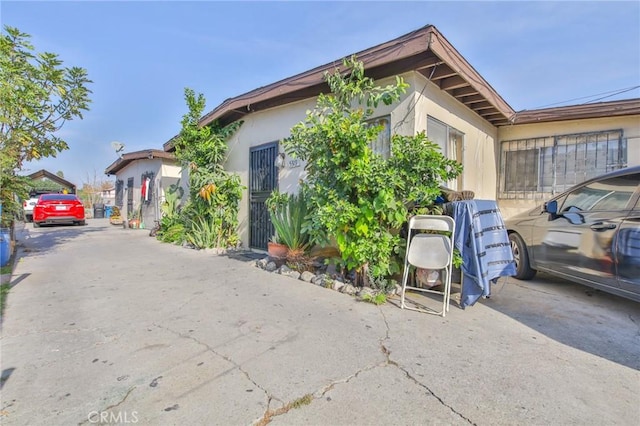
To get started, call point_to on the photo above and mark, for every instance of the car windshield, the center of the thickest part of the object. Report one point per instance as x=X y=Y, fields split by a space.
x=58 y=197
x=609 y=194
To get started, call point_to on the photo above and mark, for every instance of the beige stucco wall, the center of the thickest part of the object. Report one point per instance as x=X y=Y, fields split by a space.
x=481 y=144
x=630 y=126
x=479 y=159
x=274 y=125
x=258 y=129
x=172 y=170
x=409 y=116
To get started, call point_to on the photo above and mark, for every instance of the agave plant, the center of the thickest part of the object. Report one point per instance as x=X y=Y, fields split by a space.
x=288 y=213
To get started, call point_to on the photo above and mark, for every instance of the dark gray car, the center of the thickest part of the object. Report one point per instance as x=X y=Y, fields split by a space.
x=589 y=234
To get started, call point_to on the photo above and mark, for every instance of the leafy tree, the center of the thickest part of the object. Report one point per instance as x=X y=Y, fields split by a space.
x=92 y=187
x=359 y=200
x=37 y=96
x=211 y=214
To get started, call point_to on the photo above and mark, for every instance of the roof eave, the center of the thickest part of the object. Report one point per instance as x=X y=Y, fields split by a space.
x=145 y=154
x=620 y=108
x=422 y=50
x=45 y=173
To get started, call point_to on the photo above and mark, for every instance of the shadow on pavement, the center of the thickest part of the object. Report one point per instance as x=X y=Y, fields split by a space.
x=30 y=242
x=592 y=321
x=17 y=279
x=245 y=255
x=6 y=373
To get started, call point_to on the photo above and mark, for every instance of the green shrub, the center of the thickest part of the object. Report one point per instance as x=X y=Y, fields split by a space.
x=206 y=233
x=210 y=216
x=288 y=213
x=359 y=199
x=377 y=299
x=173 y=234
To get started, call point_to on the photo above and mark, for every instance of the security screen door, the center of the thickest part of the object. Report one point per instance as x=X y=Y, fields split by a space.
x=263 y=179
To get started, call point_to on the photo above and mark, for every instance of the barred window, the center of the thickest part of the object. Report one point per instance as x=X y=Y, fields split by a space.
x=539 y=167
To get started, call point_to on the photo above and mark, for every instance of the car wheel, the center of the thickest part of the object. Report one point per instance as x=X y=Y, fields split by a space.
x=29 y=218
x=36 y=225
x=81 y=223
x=521 y=257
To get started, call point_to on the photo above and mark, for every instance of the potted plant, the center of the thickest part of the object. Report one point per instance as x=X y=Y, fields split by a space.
x=116 y=217
x=288 y=213
x=276 y=249
x=134 y=218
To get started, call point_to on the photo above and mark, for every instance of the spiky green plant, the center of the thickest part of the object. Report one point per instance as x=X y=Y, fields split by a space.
x=288 y=213
x=204 y=233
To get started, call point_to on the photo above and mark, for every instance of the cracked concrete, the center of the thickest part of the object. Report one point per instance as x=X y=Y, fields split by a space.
x=166 y=335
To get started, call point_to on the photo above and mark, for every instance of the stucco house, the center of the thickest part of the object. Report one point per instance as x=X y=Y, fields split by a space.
x=142 y=179
x=516 y=158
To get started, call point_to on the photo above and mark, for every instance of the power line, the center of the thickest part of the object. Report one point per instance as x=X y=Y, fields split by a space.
x=608 y=95
x=617 y=93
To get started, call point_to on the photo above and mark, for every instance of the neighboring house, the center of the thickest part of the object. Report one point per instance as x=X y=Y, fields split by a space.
x=515 y=158
x=108 y=196
x=142 y=179
x=44 y=175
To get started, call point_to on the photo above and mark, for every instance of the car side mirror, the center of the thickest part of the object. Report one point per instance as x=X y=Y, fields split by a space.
x=550 y=207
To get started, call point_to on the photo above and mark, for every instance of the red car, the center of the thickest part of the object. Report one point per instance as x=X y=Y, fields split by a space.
x=58 y=208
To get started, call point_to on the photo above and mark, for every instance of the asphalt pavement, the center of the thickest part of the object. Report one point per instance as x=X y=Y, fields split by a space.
x=107 y=325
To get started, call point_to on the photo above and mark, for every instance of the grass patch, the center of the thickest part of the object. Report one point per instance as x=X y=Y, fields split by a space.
x=6 y=269
x=305 y=400
x=378 y=299
x=302 y=401
x=4 y=292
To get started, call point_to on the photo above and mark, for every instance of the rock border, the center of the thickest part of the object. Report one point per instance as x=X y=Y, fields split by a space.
x=321 y=279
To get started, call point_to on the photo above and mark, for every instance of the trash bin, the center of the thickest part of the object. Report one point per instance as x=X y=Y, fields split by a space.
x=107 y=211
x=98 y=211
x=5 y=246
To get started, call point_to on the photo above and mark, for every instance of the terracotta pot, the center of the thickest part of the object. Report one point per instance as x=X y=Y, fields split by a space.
x=134 y=223
x=276 y=250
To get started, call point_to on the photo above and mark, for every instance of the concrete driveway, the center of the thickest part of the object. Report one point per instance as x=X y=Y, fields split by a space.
x=107 y=325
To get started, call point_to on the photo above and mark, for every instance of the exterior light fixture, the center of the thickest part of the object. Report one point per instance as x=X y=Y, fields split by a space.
x=279 y=163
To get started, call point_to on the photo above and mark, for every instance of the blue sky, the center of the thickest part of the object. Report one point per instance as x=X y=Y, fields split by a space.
x=141 y=55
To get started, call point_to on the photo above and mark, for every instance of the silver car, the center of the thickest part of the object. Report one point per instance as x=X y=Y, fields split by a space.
x=589 y=234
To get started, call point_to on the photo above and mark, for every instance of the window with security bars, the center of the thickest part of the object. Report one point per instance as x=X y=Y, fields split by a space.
x=539 y=167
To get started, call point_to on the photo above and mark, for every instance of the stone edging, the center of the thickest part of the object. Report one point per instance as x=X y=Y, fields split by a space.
x=320 y=279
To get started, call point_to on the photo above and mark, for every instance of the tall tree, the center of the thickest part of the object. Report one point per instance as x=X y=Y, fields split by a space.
x=359 y=199
x=38 y=95
x=211 y=214
x=92 y=188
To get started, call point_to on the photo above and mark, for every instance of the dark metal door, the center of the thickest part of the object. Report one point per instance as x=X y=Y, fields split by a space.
x=119 y=193
x=129 y=196
x=263 y=179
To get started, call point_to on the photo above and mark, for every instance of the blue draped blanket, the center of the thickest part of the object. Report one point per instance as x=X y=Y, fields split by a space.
x=483 y=242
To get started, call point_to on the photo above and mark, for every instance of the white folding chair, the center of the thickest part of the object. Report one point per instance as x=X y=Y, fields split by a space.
x=432 y=251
